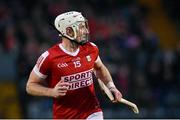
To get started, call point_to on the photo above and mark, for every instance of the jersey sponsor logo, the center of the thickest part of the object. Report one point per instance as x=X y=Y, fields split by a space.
x=79 y=80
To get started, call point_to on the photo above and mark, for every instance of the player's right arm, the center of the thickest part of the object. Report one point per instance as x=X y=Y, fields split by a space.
x=36 y=81
x=36 y=86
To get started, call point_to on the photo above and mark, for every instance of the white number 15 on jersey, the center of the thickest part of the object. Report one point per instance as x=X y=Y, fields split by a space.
x=77 y=64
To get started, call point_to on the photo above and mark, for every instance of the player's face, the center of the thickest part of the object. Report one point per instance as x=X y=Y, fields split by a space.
x=82 y=32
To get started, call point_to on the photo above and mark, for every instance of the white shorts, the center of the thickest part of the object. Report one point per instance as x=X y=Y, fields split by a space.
x=95 y=116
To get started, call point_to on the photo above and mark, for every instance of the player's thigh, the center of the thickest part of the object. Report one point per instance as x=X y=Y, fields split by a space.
x=96 y=116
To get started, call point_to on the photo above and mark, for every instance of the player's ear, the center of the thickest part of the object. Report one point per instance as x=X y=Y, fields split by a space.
x=70 y=32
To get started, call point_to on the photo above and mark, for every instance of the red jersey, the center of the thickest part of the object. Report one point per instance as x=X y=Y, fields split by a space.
x=76 y=68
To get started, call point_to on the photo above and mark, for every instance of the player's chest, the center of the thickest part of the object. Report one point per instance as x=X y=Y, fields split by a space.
x=63 y=65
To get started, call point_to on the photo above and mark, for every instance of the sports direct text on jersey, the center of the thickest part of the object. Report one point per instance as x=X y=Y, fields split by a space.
x=79 y=80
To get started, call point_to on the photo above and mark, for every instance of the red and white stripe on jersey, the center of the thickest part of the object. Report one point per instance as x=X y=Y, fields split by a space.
x=98 y=58
x=40 y=61
x=93 y=44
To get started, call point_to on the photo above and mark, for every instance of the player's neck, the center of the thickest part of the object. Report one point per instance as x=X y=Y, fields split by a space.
x=69 y=46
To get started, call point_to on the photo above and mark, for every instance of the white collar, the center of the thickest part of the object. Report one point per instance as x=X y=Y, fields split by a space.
x=67 y=52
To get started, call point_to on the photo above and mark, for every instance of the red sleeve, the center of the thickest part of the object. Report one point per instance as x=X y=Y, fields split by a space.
x=96 y=50
x=42 y=65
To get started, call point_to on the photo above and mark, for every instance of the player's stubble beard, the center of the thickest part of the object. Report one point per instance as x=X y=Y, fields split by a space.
x=84 y=40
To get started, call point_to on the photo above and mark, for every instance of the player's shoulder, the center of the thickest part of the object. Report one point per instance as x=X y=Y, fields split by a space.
x=51 y=51
x=45 y=54
x=91 y=47
x=91 y=44
x=54 y=48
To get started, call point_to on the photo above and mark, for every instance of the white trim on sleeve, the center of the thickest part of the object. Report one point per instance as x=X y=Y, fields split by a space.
x=38 y=73
x=93 y=44
x=44 y=55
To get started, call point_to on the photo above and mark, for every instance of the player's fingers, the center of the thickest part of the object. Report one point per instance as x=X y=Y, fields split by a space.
x=116 y=96
x=63 y=87
x=62 y=91
x=119 y=96
x=64 y=84
x=62 y=94
x=59 y=83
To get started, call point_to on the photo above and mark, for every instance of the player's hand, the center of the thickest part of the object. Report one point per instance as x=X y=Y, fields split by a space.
x=60 y=89
x=116 y=93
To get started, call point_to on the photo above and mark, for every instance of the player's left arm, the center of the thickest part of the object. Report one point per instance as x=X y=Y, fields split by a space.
x=104 y=75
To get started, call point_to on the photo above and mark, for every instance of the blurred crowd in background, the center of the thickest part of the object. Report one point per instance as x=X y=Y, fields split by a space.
x=144 y=71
